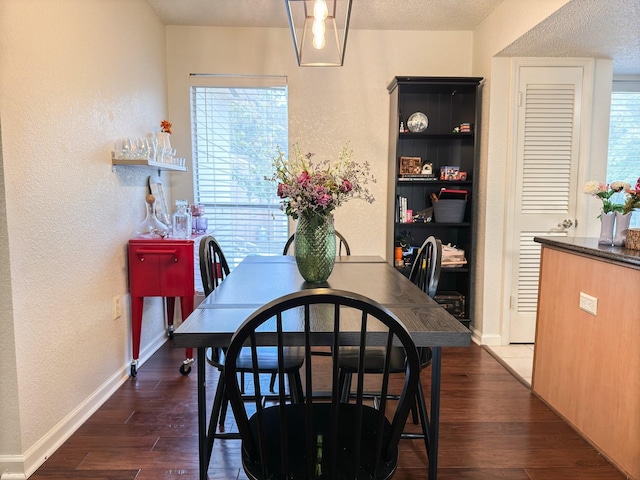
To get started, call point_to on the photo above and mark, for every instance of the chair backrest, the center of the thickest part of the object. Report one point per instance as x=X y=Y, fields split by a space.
x=321 y=437
x=425 y=272
x=342 y=244
x=213 y=265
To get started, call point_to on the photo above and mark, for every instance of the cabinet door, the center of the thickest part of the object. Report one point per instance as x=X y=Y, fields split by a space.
x=161 y=270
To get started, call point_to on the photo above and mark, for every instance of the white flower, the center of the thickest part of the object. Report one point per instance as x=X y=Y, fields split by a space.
x=592 y=187
x=619 y=186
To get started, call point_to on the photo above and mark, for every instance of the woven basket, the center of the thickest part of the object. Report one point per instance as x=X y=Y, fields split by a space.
x=633 y=239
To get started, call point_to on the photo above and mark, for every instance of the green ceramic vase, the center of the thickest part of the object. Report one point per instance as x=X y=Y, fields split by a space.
x=315 y=247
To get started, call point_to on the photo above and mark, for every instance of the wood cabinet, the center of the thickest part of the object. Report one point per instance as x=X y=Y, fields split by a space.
x=447 y=144
x=587 y=367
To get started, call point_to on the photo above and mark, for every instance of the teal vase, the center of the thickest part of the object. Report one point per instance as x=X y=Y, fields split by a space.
x=315 y=247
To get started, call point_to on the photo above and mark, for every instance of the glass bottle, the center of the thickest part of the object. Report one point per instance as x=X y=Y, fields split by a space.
x=181 y=220
x=151 y=227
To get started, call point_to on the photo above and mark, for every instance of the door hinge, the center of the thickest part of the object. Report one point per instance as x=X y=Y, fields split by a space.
x=519 y=99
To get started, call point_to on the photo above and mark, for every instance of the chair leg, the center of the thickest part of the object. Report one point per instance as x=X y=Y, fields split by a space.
x=295 y=387
x=215 y=413
x=272 y=383
x=345 y=385
x=424 y=419
x=223 y=411
x=414 y=410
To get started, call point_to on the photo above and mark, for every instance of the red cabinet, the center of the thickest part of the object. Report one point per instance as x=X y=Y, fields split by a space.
x=160 y=268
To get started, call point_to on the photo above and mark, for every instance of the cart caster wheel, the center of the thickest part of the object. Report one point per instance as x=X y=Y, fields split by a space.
x=185 y=369
x=134 y=370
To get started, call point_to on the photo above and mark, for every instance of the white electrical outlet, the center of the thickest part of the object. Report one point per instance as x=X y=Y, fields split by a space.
x=117 y=310
x=588 y=303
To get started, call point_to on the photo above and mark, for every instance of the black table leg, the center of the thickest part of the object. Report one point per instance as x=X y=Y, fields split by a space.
x=434 y=424
x=202 y=416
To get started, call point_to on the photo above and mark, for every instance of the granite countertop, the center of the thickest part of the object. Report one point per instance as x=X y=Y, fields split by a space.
x=589 y=246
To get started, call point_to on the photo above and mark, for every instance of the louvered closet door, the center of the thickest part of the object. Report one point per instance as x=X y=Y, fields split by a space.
x=546 y=165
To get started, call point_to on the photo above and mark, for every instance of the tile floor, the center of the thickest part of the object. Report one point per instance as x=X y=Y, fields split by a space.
x=517 y=358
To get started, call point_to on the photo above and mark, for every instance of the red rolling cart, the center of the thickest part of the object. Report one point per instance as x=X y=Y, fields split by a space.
x=160 y=268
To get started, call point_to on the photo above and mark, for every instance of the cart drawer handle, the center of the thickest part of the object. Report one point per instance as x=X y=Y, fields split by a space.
x=140 y=253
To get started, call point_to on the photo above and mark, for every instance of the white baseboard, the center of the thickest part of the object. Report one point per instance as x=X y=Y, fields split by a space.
x=20 y=467
x=486 y=339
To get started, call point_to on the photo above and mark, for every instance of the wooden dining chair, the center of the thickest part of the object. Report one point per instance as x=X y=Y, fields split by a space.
x=322 y=438
x=341 y=244
x=425 y=273
x=214 y=268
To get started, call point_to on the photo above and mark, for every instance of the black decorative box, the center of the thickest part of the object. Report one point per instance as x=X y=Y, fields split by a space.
x=453 y=302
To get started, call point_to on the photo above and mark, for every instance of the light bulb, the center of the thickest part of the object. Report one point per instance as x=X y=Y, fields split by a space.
x=318 y=42
x=320 y=10
x=318 y=28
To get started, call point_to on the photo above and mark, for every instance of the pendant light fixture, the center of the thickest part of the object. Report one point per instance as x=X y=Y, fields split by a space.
x=319 y=31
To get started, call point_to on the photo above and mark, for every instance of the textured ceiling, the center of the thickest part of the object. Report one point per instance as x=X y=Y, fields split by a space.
x=582 y=28
x=587 y=28
x=365 y=14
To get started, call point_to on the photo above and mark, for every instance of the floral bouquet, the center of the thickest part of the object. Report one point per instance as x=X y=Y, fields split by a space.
x=605 y=192
x=633 y=198
x=318 y=188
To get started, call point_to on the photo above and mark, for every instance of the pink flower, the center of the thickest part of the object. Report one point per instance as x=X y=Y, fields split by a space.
x=346 y=186
x=321 y=196
x=282 y=190
x=304 y=178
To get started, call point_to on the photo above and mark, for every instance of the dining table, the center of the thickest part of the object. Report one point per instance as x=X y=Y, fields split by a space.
x=258 y=280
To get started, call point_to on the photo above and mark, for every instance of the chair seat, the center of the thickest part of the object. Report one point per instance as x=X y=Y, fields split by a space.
x=375 y=356
x=321 y=412
x=268 y=359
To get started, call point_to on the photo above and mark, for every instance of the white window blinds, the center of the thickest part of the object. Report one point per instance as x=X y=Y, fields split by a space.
x=623 y=163
x=237 y=123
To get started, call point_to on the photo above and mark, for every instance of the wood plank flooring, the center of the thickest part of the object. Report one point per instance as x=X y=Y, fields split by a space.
x=491 y=428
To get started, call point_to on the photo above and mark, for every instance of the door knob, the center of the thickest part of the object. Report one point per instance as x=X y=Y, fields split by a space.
x=566 y=223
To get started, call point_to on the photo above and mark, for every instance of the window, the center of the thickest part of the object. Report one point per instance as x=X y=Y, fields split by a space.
x=237 y=124
x=623 y=163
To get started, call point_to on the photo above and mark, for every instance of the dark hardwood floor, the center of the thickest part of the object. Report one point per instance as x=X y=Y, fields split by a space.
x=491 y=428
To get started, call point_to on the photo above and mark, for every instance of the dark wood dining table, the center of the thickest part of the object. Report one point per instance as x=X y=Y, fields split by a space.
x=257 y=280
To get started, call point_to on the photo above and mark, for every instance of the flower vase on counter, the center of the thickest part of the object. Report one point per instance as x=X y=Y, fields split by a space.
x=315 y=247
x=607 y=222
x=621 y=228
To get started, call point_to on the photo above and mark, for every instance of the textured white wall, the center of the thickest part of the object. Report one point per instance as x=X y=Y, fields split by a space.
x=74 y=75
x=327 y=106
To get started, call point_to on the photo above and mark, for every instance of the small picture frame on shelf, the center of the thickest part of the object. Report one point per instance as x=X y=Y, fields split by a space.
x=410 y=166
x=452 y=174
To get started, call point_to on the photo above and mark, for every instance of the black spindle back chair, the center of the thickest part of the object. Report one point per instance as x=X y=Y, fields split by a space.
x=425 y=273
x=322 y=438
x=213 y=270
x=341 y=243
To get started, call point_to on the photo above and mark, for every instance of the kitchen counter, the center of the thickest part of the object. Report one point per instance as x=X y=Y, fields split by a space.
x=590 y=247
x=586 y=364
